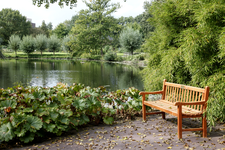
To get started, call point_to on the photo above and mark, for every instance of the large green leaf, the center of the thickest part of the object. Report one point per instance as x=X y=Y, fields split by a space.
x=74 y=121
x=8 y=103
x=42 y=111
x=20 y=131
x=79 y=104
x=65 y=112
x=28 y=137
x=46 y=119
x=108 y=120
x=6 y=132
x=34 y=122
x=54 y=115
x=49 y=127
x=29 y=109
x=63 y=120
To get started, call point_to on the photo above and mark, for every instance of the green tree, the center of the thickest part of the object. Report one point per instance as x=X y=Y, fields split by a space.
x=41 y=42
x=61 y=3
x=61 y=30
x=142 y=20
x=95 y=26
x=130 y=39
x=44 y=28
x=1 y=55
x=54 y=43
x=187 y=47
x=35 y=31
x=14 y=43
x=12 y=22
x=66 y=44
x=49 y=26
x=27 y=44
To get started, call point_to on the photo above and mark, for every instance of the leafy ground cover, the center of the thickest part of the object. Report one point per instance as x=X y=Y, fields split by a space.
x=30 y=112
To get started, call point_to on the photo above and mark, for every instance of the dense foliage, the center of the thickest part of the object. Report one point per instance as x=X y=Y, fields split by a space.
x=61 y=3
x=61 y=30
x=12 y=22
x=95 y=26
x=187 y=47
x=29 y=112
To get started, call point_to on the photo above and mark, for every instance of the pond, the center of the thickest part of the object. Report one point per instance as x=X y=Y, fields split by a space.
x=48 y=73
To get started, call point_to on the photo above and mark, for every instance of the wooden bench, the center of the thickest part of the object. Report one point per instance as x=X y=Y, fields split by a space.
x=181 y=101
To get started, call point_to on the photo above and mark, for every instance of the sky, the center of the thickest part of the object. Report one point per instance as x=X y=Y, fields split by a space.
x=57 y=15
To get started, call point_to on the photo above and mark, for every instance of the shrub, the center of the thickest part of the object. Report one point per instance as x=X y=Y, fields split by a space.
x=29 y=112
x=110 y=56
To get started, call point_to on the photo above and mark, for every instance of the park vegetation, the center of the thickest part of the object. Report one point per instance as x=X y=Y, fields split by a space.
x=30 y=112
x=182 y=40
x=187 y=47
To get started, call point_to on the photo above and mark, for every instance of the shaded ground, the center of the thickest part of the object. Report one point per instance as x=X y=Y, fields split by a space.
x=153 y=134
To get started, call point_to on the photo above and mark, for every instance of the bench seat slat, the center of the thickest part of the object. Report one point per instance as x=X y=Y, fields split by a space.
x=170 y=108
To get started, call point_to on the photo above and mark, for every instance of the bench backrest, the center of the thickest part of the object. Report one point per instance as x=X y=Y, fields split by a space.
x=182 y=93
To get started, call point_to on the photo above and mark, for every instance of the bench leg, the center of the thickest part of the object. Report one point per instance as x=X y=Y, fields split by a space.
x=144 y=112
x=204 y=126
x=179 y=122
x=163 y=115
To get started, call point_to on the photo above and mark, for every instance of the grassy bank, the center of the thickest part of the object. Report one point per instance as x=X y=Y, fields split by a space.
x=37 y=55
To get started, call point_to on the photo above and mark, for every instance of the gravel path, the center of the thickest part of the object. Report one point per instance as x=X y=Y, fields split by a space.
x=153 y=134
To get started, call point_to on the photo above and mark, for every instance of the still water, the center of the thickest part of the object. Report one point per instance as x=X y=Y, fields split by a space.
x=48 y=73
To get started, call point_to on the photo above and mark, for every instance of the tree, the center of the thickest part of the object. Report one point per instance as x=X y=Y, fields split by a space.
x=53 y=43
x=14 y=43
x=188 y=47
x=41 y=42
x=1 y=55
x=27 y=44
x=12 y=22
x=35 y=31
x=142 y=20
x=44 y=28
x=95 y=26
x=61 y=3
x=66 y=44
x=130 y=39
x=49 y=26
x=61 y=30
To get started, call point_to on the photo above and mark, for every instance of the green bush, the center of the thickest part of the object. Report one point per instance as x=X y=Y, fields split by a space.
x=30 y=112
x=110 y=56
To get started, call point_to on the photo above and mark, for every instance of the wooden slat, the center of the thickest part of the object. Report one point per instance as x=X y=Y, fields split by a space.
x=185 y=87
x=196 y=99
x=179 y=99
x=193 y=129
x=170 y=108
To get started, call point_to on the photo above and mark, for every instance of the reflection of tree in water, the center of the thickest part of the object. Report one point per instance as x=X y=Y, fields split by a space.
x=130 y=79
x=49 y=73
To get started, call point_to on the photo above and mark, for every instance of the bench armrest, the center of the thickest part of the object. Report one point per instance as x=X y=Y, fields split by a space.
x=156 y=92
x=189 y=103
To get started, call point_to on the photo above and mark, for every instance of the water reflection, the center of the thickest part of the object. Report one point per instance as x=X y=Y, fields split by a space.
x=48 y=73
